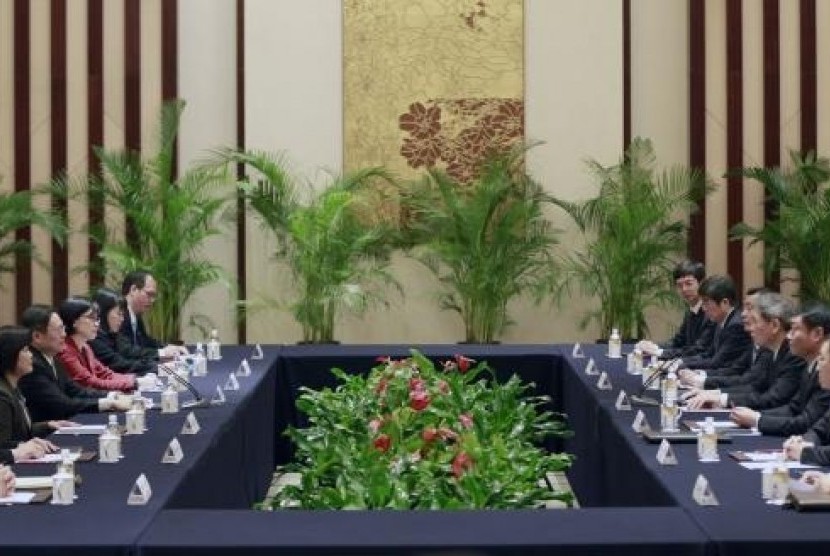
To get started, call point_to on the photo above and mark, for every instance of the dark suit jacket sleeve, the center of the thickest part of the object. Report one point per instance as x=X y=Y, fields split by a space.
x=111 y=356
x=7 y=412
x=734 y=341
x=780 y=392
x=816 y=455
x=785 y=421
x=47 y=400
x=6 y=456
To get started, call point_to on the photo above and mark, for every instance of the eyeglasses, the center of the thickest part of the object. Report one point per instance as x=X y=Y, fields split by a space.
x=91 y=317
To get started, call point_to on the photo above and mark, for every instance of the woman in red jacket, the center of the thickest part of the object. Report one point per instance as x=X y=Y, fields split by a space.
x=80 y=317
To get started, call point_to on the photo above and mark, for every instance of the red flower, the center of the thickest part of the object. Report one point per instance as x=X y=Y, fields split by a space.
x=383 y=359
x=418 y=400
x=417 y=385
x=382 y=443
x=461 y=463
x=466 y=420
x=429 y=434
x=463 y=363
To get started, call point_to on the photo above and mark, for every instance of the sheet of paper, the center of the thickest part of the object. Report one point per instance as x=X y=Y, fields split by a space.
x=763 y=456
x=761 y=465
x=49 y=458
x=82 y=429
x=18 y=498
x=32 y=483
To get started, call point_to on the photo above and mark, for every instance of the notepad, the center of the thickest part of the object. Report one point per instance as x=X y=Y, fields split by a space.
x=82 y=429
x=33 y=483
x=18 y=498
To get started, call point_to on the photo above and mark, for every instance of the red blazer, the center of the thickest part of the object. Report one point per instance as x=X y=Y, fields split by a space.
x=85 y=369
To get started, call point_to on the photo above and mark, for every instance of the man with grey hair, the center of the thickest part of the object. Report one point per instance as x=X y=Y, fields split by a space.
x=774 y=383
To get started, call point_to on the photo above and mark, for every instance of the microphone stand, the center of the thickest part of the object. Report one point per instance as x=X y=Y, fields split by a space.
x=199 y=401
x=639 y=398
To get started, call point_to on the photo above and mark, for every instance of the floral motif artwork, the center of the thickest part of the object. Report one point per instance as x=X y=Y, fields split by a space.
x=457 y=134
x=431 y=83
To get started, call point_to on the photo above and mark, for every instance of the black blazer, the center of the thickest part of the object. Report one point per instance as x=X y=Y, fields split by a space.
x=730 y=342
x=744 y=371
x=776 y=383
x=694 y=336
x=138 y=337
x=805 y=408
x=6 y=456
x=14 y=426
x=116 y=352
x=51 y=394
x=819 y=434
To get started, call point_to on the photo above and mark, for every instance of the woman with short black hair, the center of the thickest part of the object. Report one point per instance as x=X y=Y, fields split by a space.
x=110 y=347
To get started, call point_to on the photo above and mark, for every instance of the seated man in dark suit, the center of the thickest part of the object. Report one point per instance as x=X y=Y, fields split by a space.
x=730 y=340
x=807 y=333
x=50 y=393
x=814 y=447
x=696 y=331
x=772 y=384
x=139 y=291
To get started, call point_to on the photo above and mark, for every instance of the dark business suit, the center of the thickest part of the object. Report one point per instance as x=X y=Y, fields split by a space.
x=694 y=336
x=117 y=352
x=51 y=394
x=729 y=344
x=6 y=456
x=15 y=423
x=805 y=408
x=819 y=435
x=745 y=371
x=138 y=336
x=775 y=384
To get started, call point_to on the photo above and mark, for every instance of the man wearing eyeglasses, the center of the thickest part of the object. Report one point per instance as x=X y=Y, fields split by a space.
x=139 y=290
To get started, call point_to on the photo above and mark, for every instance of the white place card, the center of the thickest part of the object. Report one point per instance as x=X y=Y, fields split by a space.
x=257 y=354
x=33 y=483
x=623 y=403
x=20 y=497
x=577 y=351
x=703 y=493
x=244 y=368
x=82 y=429
x=591 y=368
x=141 y=492
x=232 y=383
x=218 y=397
x=191 y=424
x=665 y=454
x=640 y=423
x=173 y=453
x=604 y=383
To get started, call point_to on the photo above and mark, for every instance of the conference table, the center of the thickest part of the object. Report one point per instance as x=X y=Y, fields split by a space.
x=202 y=505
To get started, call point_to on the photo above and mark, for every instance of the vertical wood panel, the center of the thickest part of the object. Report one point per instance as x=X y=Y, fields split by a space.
x=823 y=77
x=22 y=138
x=697 y=119
x=626 y=47
x=241 y=238
x=807 y=28
x=57 y=58
x=790 y=102
x=735 y=134
x=95 y=119
x=772 y=108
x=8 y=306
x=716 y=136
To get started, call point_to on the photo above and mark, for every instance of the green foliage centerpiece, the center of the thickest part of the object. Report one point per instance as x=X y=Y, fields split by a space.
x=413 y=436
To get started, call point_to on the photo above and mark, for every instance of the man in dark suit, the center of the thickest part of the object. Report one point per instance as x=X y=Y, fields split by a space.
x=730 y=341
x=696 y=331
x=807 y=332
x=774 y=383
x=814 y=447
x=139 y=290
x=50 y=393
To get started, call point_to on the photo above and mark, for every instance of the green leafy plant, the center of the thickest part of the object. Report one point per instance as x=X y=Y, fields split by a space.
x=798 y=236
x=413 y=436
x=338 y=254
x=487 y=242
x=634 y=229
x=168 y=220
x=17 y=213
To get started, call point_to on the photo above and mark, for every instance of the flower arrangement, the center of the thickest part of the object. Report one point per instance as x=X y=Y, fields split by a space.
x=413 y=436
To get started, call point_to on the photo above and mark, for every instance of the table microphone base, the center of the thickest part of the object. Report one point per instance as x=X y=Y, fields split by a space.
x=643 y=400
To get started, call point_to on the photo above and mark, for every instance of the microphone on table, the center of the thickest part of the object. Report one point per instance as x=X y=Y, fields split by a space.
x=662 y=369
x=199 y=401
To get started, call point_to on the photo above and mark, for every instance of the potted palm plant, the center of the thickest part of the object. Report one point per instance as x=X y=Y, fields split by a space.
x=633 y=229
x=798 y=236
x=487 y=242
x=168 y=219
x=337 y=254
x=17 y=213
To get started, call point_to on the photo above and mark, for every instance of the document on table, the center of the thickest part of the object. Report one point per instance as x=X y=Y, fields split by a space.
x=50 y=458
x=33 y=483
x=82 y=429
x=761 y=465
x=18 y=498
